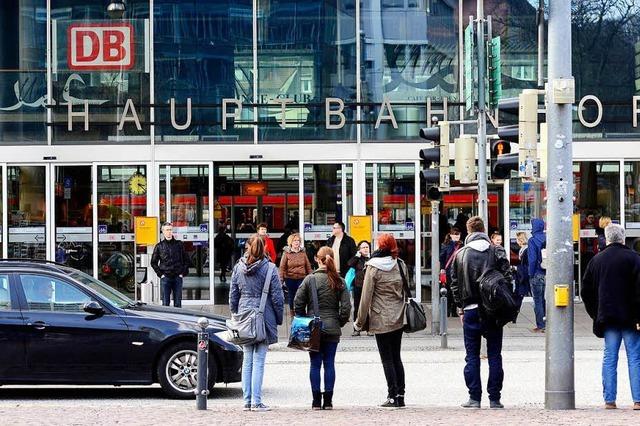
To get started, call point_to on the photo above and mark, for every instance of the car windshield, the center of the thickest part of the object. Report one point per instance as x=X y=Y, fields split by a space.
x=113 y=296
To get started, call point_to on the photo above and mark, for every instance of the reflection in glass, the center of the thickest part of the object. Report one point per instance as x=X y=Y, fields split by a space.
x=632 y=194
x=26 y=211
x=74 y=217
x=121 y=196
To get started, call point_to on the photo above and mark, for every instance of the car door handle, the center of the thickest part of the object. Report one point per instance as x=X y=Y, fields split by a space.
x=38 y=325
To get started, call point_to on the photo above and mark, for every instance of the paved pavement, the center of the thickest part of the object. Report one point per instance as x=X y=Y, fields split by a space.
x=435 y=388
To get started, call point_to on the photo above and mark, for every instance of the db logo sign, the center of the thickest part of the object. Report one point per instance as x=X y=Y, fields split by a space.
x=100 y=47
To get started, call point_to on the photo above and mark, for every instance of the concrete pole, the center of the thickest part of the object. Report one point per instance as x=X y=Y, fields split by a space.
x=541 y=45
x=559 y=363
x=435 y=268
x=483 y=201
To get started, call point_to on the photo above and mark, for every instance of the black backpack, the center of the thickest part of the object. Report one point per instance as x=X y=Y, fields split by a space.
x=498 y=301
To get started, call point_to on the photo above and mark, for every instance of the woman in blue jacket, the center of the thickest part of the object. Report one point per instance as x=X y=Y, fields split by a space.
x=247 y=282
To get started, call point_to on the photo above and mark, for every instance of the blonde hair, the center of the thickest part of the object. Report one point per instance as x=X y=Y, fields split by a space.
x=604 y=221
x=293 y=237
x=521 y=237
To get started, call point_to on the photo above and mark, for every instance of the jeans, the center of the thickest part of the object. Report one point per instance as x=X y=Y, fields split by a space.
x=292 y=287
x=357 y=294
x=169 y=285
x=253 y=372
x=613 y=337
x=474 y=329
x=325 y=358
x=539 y=303
x=389 y=346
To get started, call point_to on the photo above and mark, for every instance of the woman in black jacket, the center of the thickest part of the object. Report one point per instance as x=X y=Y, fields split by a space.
x=358 y=263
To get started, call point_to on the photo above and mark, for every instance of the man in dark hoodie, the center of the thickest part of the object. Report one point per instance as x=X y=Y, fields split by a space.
x=537 y=274
x=469 y=264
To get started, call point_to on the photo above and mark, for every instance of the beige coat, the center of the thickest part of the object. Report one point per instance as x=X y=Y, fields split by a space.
x=382 y=301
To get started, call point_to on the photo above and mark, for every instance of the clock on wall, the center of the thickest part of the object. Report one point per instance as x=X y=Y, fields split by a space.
x=138 y=184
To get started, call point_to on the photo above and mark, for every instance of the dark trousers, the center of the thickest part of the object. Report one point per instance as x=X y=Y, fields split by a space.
x=389 y=346
x=292 y=289
x=326 y=359
x=171 y=285
x=474 y=330
x=357 y=294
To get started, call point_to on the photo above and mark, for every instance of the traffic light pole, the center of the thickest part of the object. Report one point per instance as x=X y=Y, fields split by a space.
x=435 y=267
x=559 y=362
x=483 y=207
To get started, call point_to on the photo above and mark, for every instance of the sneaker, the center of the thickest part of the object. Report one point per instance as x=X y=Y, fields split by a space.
x=247 y=407
x=400 y=401
x=610 y=405
x=471 y=403
x=537 y=330
x=389 y=403
x=355 y=334
x=636 y=405
x=260 y=408
x=495 y=404
x=370 y=334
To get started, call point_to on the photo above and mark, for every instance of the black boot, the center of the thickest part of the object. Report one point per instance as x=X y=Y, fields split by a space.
x=327 y=404
x=400 y=401
x=317 y=400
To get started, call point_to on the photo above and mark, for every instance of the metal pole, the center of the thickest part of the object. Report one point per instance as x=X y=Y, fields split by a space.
x=559 y=365
x=435 y=267
x=443 y=318
x=541 y=45
x=483 y=207
x=202 y=389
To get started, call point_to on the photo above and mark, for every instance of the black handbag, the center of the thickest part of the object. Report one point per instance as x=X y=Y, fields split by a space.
x=416 y=319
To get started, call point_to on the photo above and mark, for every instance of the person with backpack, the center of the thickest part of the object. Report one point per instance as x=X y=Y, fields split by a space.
x=536 y=255
x=477 y=268
x=334 y=306
x=448 y=251
x=251 y=275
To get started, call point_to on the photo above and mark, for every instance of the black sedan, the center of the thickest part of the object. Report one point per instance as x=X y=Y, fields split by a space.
x=61 y=326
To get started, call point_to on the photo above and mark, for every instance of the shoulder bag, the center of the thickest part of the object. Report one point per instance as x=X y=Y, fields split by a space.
x=305 y=331
x=416 y=319
x=248 y=327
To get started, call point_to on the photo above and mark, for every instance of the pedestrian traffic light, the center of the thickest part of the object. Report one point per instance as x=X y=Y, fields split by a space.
x=498 y=147
x=525 y=133
x=435 y=160
x=502 y=166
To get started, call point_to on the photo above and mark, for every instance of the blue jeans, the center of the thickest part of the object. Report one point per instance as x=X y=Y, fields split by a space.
x=613 y=337
x=169 y=285
x=253 y=372
x=292 y=289
x=325 y=358
x=474 y=329
x=539 y=302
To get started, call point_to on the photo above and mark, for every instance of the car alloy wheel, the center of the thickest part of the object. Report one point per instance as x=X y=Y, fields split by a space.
x=182 y=371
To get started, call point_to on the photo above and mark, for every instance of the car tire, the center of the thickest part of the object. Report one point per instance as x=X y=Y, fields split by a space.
x=177 y=383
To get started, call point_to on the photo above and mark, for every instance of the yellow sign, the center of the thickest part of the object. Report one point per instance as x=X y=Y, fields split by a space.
x=146 y=230
x=561 y=295
x=360 y=228
x=576 y=227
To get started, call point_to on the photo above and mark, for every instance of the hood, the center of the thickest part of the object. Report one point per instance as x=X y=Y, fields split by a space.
x=537 y=226
x=250 y=269
x=287 y=249
x=177 y=314
x=385 y=263
x=478 y=241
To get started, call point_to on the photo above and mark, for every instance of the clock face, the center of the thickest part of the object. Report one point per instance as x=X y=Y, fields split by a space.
x=138 y=184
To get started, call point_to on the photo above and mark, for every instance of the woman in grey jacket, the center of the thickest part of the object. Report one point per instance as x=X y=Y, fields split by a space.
x=247 y=282
x=334 y=306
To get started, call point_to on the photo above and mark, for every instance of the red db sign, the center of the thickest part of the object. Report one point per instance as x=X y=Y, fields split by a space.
x=100 y=47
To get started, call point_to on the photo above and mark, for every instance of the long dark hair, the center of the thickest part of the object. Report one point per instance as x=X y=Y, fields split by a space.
x=326 y=255
x=255 y=250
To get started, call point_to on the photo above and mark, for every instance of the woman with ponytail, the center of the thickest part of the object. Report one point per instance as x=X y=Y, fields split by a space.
x=334 y=307
x=247 y=282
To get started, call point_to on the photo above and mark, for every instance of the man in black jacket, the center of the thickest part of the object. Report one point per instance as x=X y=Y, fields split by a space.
x=344 y=247
x=171 y=264
x=611 y=296
x=469 y=264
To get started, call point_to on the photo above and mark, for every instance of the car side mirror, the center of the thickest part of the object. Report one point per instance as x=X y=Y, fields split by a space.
x=93 y=308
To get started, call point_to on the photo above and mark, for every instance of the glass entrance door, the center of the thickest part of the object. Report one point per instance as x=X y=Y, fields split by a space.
x=27 y=209
x=327 y=199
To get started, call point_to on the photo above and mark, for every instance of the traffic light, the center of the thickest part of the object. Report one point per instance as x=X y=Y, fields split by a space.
x=435 y=160
x=525 y=133
x=499 y=148
x=502 y=166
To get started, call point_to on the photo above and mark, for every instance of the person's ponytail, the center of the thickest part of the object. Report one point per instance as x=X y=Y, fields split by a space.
x=335 y=281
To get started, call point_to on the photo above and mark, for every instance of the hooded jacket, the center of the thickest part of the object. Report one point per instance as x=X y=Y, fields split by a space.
x=537 y=242
x=382 y=300
x=247 y=282
x=294 y=265
x=611 y=288
x=470 y=263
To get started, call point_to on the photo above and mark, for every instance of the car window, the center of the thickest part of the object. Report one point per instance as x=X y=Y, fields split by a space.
x=45 y=293
x=5 y=300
